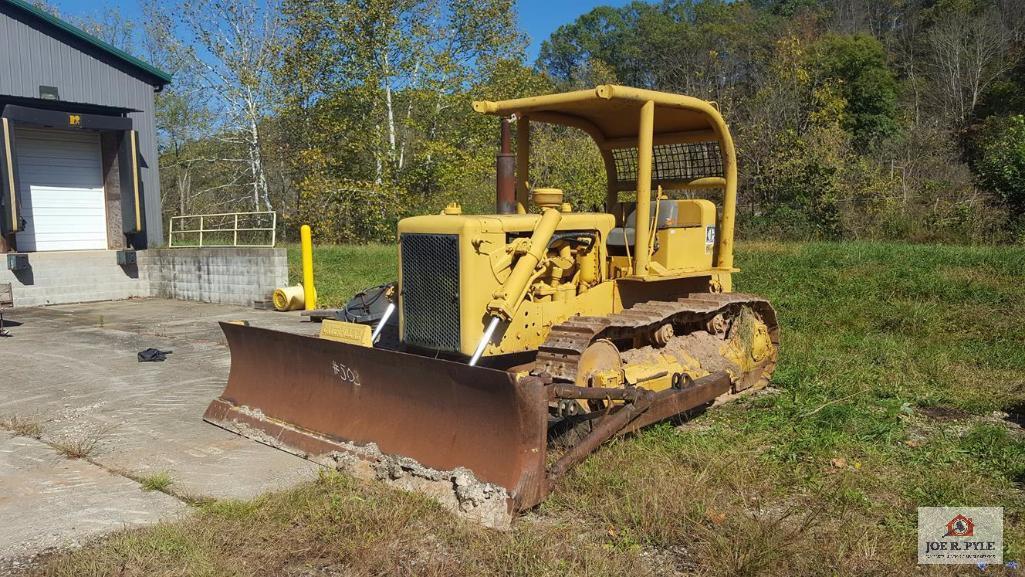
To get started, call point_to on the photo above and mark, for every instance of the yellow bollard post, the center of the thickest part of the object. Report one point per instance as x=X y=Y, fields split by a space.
x=309 y=291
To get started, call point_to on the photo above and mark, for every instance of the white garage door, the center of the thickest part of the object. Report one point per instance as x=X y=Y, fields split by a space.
x=61 y=184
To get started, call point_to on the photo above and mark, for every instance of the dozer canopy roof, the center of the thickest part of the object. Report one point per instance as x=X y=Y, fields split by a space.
x=647 y=139
x=691 y=145
x=610 y=112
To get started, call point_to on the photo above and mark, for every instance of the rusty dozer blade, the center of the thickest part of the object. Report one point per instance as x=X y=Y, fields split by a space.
x=313 y=396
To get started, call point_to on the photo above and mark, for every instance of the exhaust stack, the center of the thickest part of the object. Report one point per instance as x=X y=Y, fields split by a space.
x=505 y=170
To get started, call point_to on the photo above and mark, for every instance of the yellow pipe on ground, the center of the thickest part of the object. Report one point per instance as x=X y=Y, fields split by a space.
x=289 y=298
x=309 y=291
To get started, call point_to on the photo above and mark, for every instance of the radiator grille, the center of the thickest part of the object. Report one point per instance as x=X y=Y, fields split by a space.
x=430 y=290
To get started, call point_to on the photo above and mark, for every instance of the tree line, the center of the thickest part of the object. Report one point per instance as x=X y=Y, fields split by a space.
x=897 y=119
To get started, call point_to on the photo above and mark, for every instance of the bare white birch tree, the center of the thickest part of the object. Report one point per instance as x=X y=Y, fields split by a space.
x=967 y=53
x=236 y=45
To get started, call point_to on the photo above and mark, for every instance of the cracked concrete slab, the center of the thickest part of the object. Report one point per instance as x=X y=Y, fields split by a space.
x=73 y=370
x=51 y=501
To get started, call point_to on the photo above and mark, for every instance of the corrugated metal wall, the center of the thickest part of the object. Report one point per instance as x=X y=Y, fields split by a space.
x=34 y=54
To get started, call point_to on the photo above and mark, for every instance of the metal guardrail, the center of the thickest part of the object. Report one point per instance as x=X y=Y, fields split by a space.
x=226 y=229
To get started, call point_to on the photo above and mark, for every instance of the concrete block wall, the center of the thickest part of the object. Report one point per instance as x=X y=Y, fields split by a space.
x=73 y=276
x=215 y=275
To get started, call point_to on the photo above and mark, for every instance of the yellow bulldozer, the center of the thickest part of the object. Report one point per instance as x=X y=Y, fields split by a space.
x=527 y=338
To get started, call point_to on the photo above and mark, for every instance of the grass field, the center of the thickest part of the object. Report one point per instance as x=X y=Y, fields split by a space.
x=901 y=375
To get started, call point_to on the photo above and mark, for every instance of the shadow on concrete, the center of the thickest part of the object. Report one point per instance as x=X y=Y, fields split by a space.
x=131 y=270
x=24 y=276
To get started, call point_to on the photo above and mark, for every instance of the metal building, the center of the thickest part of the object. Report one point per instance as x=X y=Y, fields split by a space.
x=78 y=151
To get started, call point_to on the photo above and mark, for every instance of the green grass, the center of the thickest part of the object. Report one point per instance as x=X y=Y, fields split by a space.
x=894 y=360
x=342 y=271
x=157 y=482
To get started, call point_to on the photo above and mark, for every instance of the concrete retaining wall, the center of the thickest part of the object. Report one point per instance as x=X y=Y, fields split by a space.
x=215 y=275
x=73 y=277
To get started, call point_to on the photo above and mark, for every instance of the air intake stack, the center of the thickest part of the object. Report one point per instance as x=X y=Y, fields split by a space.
x=505 y=164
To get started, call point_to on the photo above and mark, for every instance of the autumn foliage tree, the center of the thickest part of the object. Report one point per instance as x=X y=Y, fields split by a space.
x=852 y=118
x=387 y=85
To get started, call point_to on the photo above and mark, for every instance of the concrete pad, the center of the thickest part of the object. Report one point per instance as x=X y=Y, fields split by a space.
x=73 y=369
x=50 y=501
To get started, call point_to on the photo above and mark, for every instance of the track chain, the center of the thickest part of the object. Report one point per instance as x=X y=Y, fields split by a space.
x=560 y=353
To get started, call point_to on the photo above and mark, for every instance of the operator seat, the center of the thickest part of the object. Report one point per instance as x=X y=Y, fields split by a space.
x=668 y=217
x=684 y=234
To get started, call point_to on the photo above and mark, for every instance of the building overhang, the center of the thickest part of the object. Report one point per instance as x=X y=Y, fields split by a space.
x=64 y=119
x=63 y=106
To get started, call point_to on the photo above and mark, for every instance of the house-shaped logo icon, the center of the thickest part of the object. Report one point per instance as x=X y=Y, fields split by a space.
x=960 y=526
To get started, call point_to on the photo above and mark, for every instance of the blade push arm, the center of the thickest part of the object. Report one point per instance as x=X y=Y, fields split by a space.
x=509 y=297
x=505 y=302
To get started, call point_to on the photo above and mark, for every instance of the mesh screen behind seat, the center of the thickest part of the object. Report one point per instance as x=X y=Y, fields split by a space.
x=671 y=162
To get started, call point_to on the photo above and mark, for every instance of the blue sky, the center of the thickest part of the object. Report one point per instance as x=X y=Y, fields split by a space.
x=538 y=18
